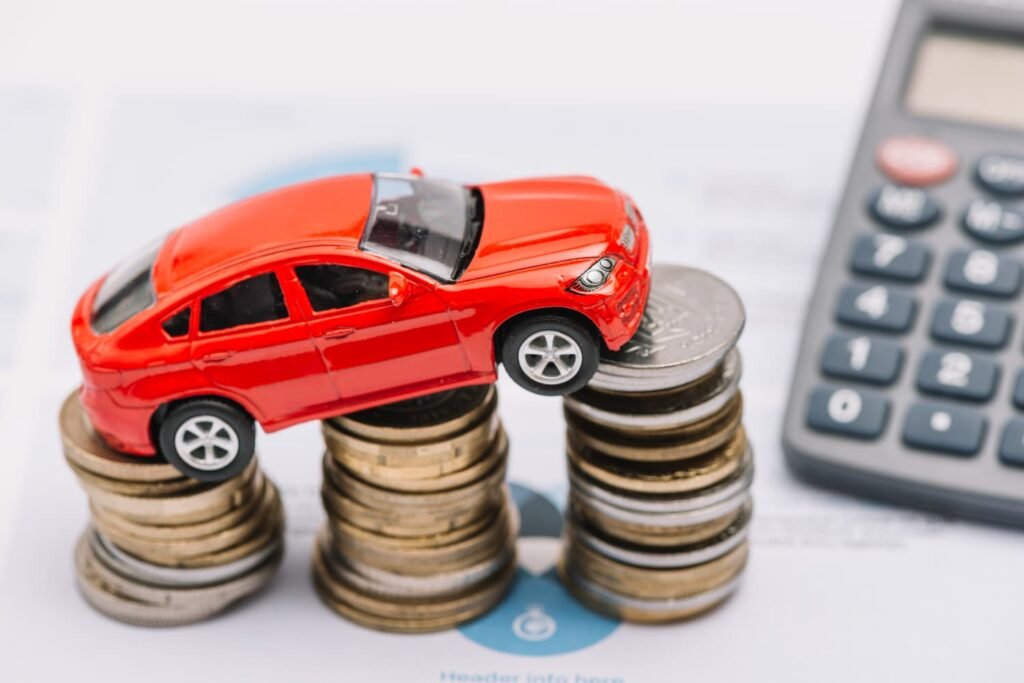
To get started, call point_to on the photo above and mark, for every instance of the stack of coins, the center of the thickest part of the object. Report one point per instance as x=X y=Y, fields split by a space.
x=162 y=549
x=421 y=530
x=659 y=464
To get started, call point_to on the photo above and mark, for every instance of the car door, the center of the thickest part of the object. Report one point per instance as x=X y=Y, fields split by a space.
x=253 y=343
x=377 y=347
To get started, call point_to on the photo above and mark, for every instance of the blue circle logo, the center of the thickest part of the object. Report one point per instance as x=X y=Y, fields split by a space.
x=538 y=617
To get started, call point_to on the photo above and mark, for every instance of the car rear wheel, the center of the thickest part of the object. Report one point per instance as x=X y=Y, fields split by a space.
x=550 y=355
x=207 y=439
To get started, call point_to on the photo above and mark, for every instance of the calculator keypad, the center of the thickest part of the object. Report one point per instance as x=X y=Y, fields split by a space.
x=959 y=375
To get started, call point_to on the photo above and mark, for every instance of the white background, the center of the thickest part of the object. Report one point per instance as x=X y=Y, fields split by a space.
x=730 y=122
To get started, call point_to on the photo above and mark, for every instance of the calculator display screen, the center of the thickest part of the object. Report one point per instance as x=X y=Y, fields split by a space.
x=968 y=77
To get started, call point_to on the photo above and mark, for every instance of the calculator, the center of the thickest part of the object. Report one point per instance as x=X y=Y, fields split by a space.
x=909 y=383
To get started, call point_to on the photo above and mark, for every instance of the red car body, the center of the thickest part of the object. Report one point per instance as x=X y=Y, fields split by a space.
x=537 y=237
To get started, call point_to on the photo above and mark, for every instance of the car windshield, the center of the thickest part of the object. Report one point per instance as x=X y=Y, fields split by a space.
x=430 y=226
x=126 y=291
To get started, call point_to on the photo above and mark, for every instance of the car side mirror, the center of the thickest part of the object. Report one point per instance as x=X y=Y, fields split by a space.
x=398 y=288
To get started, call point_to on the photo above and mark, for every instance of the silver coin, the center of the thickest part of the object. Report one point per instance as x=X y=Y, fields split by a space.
x=659 y=559
x=175 y=577
x=674 y=520
x=704 y=403
x=655 y=607
x=730 y=489
x=142 y=604
x=691 y=321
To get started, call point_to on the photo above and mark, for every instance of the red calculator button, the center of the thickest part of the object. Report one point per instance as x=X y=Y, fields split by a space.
x=918 y=161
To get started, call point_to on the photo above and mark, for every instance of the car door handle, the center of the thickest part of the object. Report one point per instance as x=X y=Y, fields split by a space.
x=338 y=332
x=218 y=356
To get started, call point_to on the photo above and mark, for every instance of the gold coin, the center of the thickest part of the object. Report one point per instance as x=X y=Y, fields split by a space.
x=453 y=457
x=410 y=614
x=654 y=584
x=498 y=451
x=392 y=625
x=141 y=489
x=643 y=611
x=431 y=457
x=369 y=537
x=428 y=418
x=402 y=523
x=679 y=444
x=84 y=448
x=142 y=604
x=268 y=533
x=663 y=477
x=208 y=502
x=172 y=532
x=375 y=496
x=186 y=549
x=426 y=560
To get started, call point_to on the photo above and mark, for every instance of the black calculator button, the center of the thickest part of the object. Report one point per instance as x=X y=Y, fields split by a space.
x=1001 y=174
x=850 y=412
x=1018 y=390
x=862 y=358
x=876 y=306
x=970 y=322
x=1011 y=446
x=983 y=272
x=889 y=256
x=945 y=428
x=990 y=221
x=957 y=374
x=898 y=206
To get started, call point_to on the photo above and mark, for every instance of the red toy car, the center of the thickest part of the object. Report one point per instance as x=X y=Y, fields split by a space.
x=344 y=293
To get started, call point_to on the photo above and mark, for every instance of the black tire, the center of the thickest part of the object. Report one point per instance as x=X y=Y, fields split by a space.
x=562 y=328
x=223 y=421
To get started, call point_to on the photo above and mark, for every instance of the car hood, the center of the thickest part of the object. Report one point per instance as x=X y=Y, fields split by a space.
x=540 y=221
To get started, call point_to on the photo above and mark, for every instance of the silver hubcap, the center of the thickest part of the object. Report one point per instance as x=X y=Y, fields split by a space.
x=206 y=442
x=550 y=357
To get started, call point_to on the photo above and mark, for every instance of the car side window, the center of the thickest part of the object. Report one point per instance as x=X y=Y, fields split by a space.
x=177 y=324
x=330 y=286
x=255 y=300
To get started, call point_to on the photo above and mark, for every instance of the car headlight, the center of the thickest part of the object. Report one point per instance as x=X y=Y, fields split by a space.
x=627 y=238
x=595 y=276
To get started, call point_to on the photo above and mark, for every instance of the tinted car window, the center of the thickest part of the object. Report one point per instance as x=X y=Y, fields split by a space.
x=126 y=291
x=256 y=300
x=177 y=324
x=331 y=286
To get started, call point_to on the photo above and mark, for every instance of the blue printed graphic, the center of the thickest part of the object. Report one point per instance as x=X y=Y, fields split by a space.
x=538 y=617
x=386 y=160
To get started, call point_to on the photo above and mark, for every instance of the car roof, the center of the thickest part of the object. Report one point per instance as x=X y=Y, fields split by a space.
x=331 y=209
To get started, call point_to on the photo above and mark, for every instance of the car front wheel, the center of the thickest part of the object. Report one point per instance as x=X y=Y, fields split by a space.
x=550 y=354
x=207 y=439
